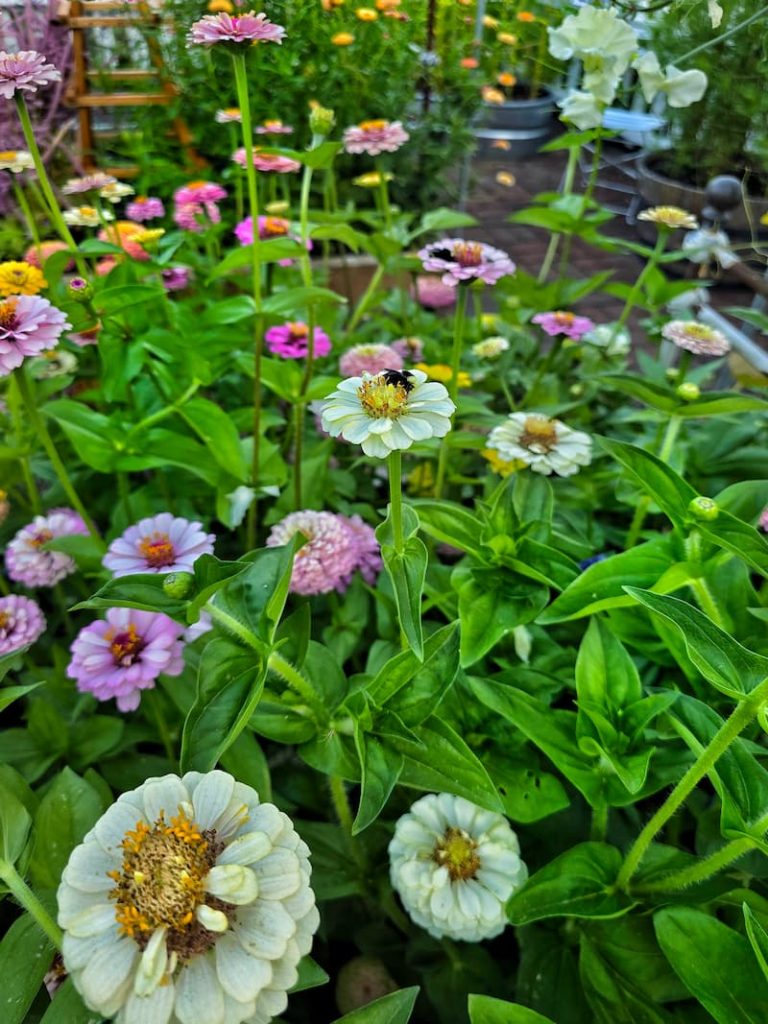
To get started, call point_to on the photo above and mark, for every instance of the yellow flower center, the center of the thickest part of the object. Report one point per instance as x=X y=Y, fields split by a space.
x=40 y=538
x=157 y=549
x=298 y=331
x=9 y=155
x=275 y=226
x=372 y=126
x=125 y=647
x=539 y=435
x=564 y=319
x=8 y=319
x=381 y=400
x=4 y=619
x=700 y=332
x=457 y=851
x=271 y=125
x=468 y=254
x=161 y=883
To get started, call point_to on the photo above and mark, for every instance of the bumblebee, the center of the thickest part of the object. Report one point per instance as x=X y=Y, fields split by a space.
x=398 y=378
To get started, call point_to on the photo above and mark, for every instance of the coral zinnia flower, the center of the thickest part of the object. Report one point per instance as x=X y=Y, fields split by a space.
x=159 y=543
x=267 y=161
x=20 y=279
x=24 y=71
x=29 y=325
x=546 y=445
x=240 y=29
x=460 y=261
x=374 y=137
x=21 y=623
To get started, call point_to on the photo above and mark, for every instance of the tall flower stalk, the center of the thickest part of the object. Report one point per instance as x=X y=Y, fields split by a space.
x=453 y=384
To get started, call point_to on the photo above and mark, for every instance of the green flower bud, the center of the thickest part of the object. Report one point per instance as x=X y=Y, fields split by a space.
x=321 y=121
x=688 y=391
x=704 y=509
x=576 y=390
x=672 y=373
x=79 y=290
x=177 y=584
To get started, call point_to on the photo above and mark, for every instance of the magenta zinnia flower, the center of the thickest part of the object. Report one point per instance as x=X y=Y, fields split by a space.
x=29 y=325
x=558 y=322
x=371 y=359
x=144 y=208
x=242 y=29
x=336 y=547
x=24 y=70
x=267 y=161
x=124 y=654
x=459 y=260
x=374 y=137
x=291 y=340
x=175 y=279
x=269 y=227
x=21 y=623
x=25 y=560
x=199 y=192
x=159 y=543
x=764 y=519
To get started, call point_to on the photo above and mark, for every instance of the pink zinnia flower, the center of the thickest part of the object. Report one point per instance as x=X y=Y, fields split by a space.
x=695 y=337
x=410 y=350
x=25 y=70
x=433 y=294
x=90 y=183
x=86 y=336
x=764 y=519
x=371 y=359
x=29 y=325
x=230 y=115
x=269 y=227
x=159 y=543
x=199 y=192
x=25 y=560
x=267 y=161
x=558 y=322
x=291 y=340
x=374 y=137
x=124 y=654
x=243 y=29
x=21 y=623
x=105 y=266
x=459 y=260
x=336 y=547
x=175 y=279
x=47 y=249
x=274 y=127
x=121 y=233
x=368 y=551
x=144 y=208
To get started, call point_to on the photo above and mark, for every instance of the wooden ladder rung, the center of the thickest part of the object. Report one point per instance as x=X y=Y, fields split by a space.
x=107 y=21
x=125 y=74
x=110 y=5
x=123 y=171
x=123 y=99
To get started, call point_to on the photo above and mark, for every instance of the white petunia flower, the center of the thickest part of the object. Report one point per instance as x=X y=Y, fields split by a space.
x=454 y=866
x=594 y=35
x=581 y=109
x=546 y=445
x=187 y=903
x=388 y=411
x=706 y=244
x=615 y=341
x=680 y=87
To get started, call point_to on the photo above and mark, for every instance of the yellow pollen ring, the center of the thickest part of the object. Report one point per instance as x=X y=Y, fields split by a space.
x=381 y=400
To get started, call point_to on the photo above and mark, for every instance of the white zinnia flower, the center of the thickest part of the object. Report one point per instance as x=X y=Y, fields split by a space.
x=454 y=866
x=384 y=413
x=16 y=161
x=707 y=244
x=696 y=337
x=490 y=348
x=546 y=445
x=85 y=216
x=614 y=341
x=187 y=903
x=116 y=190
x=581 y=109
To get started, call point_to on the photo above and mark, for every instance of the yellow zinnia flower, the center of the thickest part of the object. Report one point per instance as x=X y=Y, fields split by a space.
x=490 y=22
x=507 y=38
x=20 y=279
x=669 y=217
x=221 y=7
x=366 y=14
x=343 y=39
x=501 y=466
x=505 y=178
x=372 y=179
x=443 y=373
x=491 y=95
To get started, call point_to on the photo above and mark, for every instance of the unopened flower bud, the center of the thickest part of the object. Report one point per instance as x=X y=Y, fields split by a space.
x=704 y=509
x=277 y=208
x=80 y=290
x=672 y=373
x=361 y=981
x=688 y=391
x=576 y=390
x=321 y=121
x=177 y=584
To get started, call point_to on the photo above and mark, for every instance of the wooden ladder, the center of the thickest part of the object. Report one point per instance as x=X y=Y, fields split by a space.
x=81 y=17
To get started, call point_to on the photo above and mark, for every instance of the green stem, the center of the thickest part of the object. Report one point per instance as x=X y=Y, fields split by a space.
x=156 y=708
x=341 y=804
x=453 y=383
x=124 y=488
x=162 y=414
x=653 y=259
x=396 y=499
x=384 y=197
x=644 y=503
x=45 y=184
x=706 y=601
x=21 y=199
x=364 y=302
x=599 y=827
x=27 y=899
x=302 y=686
x=701 y=871
x=15 y=404
x=740 y=718
x=567 y=189
x=38 y=426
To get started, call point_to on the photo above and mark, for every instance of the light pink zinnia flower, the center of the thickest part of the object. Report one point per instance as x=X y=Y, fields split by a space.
x=764 y=519
x=199 y=192
x=29 y=325
x=371 y=359
x=21 y=623
x=159 y=543
x=242 y=29
x=85 y=336
x=175 y=279
x=696 y=337
x=433 y=294
x=27 y=563
x=459 y=260
x=144 y=208
x=374 y=137
x=410 y=350
x=90 y=183
x=24 y=71
x=335 y=548
x=230 y=115
x=267 y=161
x=274 y=127
x=124 y=654
x=368 y=551
x=291 y=340
x=558 y=322
x=46 y=250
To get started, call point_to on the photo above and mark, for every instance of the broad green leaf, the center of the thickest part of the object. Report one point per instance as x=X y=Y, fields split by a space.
x=449 y=523
x=218 y=432
x=406 y=570
x=528 y=795
x=68 y=1008
x=578 y=883
x=491 y=603
x=247 y=762
x=413 y=689
x=548 y=973
x=140 y=590
x=8 y=694
x=90 y=433
x=15 y=822
x=715 y=963
x=628 y=946
x=614 y=998
x=746 y=499
x=285 y=303
x=396 y=1008
x=487 y=1010
x=228 y=311
x=325 y=674
x=444 y=219
x=270 y=250
x=255 y=598
x=658 y=397
x=605 y=673
x=26 y=955
x=114 y=300
x=739 y=538
x=70 y=808
x=311 y=975
x=670 y=492
x=380 y=768
x=10 y=662
x=343 y=233
x=731 y=668
x=334 y=870
x=758 y=938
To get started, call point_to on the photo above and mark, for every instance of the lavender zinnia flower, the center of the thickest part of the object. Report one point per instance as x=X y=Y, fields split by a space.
x=159 y=543
x=25 y=560
x=90 y=183
x=336 y=547
x=558 y=322
x=175 y=279
x=291 y=341
x=29 y=325
x=242 y=29
x=374 y=137
x=371 y=359
x=410 y=350
x=459 y=261
x=124 y=654
x=21 y=623
x=24 y=71
x=144 y=208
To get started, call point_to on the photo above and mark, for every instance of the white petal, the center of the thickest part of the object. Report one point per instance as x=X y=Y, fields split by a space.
x=212 y=920
x=246 y=850
x=152 y=965
x=278 y=875
x=111 y=828
x=77 y=952
x=107 y=972
x=153 y=1009
x=211 y=797
x=264 y=929
x=99 y=917
x=163 y=796
x=233 y=883
x=241 y=975
x=88 y=866
x=271 y=1002
x=199 y=997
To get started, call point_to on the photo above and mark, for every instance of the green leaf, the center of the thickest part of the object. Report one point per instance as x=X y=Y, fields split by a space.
x=228 y=311
x=739 y=538
x=70 y=808
x=115 y=300
x=8 y=694
x=487 y=1010
x=758 y=938
x=413 y=689
x=26 y=955
x=731 y=668
x=380 y=768
x=230 y=683
x=614 y=998
x=87 y=551
x=578 y=883
x=311 y=975
x=527 y=795
x=670 y=492
x=343 y=233
x=406 y=570
x=444 y=219
x=256 y=597
x=715 y=963
x=492 y=602
x=247 y=762
x=218 y=432
x=449 y=523
x=334 y=872
x=15 y=822
x=270 y=251
x=655 y=395
x=286 y=302
x=396 y=1008
x=68 y=1008
x=90 y=433
x=140 y=590
x=605 y=673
